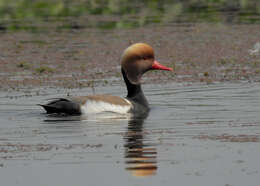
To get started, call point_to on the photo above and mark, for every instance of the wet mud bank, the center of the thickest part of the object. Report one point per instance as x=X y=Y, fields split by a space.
x=90 y=57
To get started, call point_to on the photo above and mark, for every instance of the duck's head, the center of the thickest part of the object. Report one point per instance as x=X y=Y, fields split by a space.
x=138 y=59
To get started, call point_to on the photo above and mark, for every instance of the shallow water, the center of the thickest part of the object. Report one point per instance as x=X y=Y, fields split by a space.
x=195 y=134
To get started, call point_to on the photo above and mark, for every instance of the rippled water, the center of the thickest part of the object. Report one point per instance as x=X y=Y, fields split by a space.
x=195 y=134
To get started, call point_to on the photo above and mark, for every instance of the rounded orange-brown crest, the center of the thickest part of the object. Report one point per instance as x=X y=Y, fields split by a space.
x=138 y=50
x=137 y=59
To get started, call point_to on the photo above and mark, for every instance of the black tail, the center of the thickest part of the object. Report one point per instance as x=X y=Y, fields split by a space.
x=50 y=109
x=62 y=105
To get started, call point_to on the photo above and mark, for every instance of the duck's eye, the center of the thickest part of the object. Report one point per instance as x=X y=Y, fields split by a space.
x=147 y=57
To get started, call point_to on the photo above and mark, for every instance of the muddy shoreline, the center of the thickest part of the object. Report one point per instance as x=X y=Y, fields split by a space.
x=90 y=57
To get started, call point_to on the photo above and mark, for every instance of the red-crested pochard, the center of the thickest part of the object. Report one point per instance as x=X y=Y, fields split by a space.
x=135 y=61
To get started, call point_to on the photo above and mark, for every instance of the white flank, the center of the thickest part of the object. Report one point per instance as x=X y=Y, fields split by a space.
x=98 y=106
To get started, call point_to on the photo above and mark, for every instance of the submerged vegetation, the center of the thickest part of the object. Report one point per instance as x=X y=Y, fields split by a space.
x=31 y=14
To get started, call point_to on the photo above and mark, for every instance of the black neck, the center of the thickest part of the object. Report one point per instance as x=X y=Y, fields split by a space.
x=134 y=92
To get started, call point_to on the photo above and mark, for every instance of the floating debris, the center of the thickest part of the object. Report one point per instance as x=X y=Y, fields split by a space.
x=255 y=50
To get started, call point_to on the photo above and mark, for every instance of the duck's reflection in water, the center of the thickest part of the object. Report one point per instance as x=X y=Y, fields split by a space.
x=140 y=157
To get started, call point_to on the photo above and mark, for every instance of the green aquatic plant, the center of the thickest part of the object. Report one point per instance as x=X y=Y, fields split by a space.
x=23 y=14
x=23 y=64
x=44 y=69
x=206 y=74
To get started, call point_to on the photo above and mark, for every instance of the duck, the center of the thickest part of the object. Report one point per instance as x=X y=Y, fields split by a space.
x=136 y=60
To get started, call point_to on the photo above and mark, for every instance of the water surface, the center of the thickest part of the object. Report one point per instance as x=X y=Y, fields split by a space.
x=195 y=134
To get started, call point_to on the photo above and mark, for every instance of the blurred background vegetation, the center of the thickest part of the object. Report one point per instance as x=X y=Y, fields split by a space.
x=109 y=14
